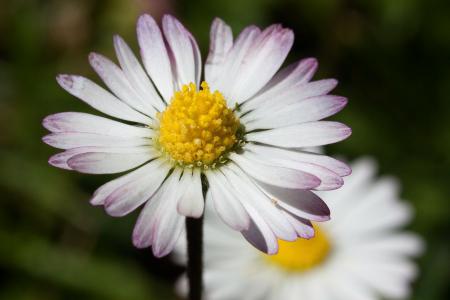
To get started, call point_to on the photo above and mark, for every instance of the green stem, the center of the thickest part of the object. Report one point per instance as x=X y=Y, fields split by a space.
x=194 y=229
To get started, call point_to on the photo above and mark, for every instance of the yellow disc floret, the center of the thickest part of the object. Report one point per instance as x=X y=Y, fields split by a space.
x=197 y=128
x=302 y=255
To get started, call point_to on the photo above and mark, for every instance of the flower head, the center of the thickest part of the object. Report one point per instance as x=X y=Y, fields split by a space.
x=239 y=132
x=360 y=254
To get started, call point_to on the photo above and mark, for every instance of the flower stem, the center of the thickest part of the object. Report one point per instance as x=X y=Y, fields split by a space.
x=194 y=228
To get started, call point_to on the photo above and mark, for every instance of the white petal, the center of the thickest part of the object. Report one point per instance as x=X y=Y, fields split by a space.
x=384 y=218
x=159 y=224
x=99 y=98
x=233 y=62
x=260 y=235
x=303 y=135
x=302 y=203
x=221 y=41
x=262 y=104
x=251 y=195
x=60 y=159
x=144 y=229
x=330 y=163
x=343 y=200
x=264 y=58
x=117 y=82
x=226 y=204
x=296 y=73
x=191 y=202
x=87 y=123
x=310 y=109
x=279 y=176
x=346 y=286
x=107 y=162
x=154 y=55
x=303 y=227
x=125 y=194
x=328 y=179
x=168 y=231
x=391 y=244
x=68 y=140
x=136 y=74
x=168 y=223
x=377 y=208
x=388 y=277
x=184 y=49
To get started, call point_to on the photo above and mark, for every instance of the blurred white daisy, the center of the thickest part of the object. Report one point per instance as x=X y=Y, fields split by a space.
x=360 y=254
x=241 y=128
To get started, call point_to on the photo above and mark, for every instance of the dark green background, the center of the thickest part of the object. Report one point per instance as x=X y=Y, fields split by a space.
x=392 y=58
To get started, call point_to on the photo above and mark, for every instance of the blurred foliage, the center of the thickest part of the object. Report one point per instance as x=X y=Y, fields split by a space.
x=392 y=58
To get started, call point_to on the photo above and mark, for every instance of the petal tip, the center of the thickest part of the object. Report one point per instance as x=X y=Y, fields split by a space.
x=94 y=59
x=118 y=40
x=145 y=18
x=312 y=61
x=46 y=123
x=58 y=162
x=217 y=21
x=66 y=81
x=348 y=132
x=47 y=139
x=342 y=100
x=159 y=253
x=137 y=240
x=347 y=170
x=94 y=201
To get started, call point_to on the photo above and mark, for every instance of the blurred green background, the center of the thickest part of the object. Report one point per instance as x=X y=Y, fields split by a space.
x=392 y=58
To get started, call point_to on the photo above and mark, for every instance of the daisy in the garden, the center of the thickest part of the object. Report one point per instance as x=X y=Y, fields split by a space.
x=361 y=253
x=237 y=132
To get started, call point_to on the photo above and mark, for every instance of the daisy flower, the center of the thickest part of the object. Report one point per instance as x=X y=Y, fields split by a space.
x=359 y=254
x=238 y=132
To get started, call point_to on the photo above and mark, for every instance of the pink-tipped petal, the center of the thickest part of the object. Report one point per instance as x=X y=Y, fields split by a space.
x=233 y=61
x=226 y=203
x=303 y=227
x=262 y=61
x=168 y=226
x=184 y=49
x=259 y=234
x=87 y=123
x=302 y=203
x=329 y=180
x=303 y=135
x=118 y=83
x=108 y=163
x=99 y=98
x=276 y=99
x=60 y=160
x=310 y=109
x=336 y=166
x=251 y=196
x=155 y=56
x=280 y=176
x=136 y=74
x=143 y=231
x=221 y=41
x=125 y=196
x=296 y=73
x=158 y=224
x=68 y=140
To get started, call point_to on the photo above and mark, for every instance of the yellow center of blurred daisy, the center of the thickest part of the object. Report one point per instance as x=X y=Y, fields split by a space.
x=302 y=254
x=197 y=128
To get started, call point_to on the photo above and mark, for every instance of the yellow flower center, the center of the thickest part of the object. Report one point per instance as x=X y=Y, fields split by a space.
x=302 y=254
x=197 y=128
